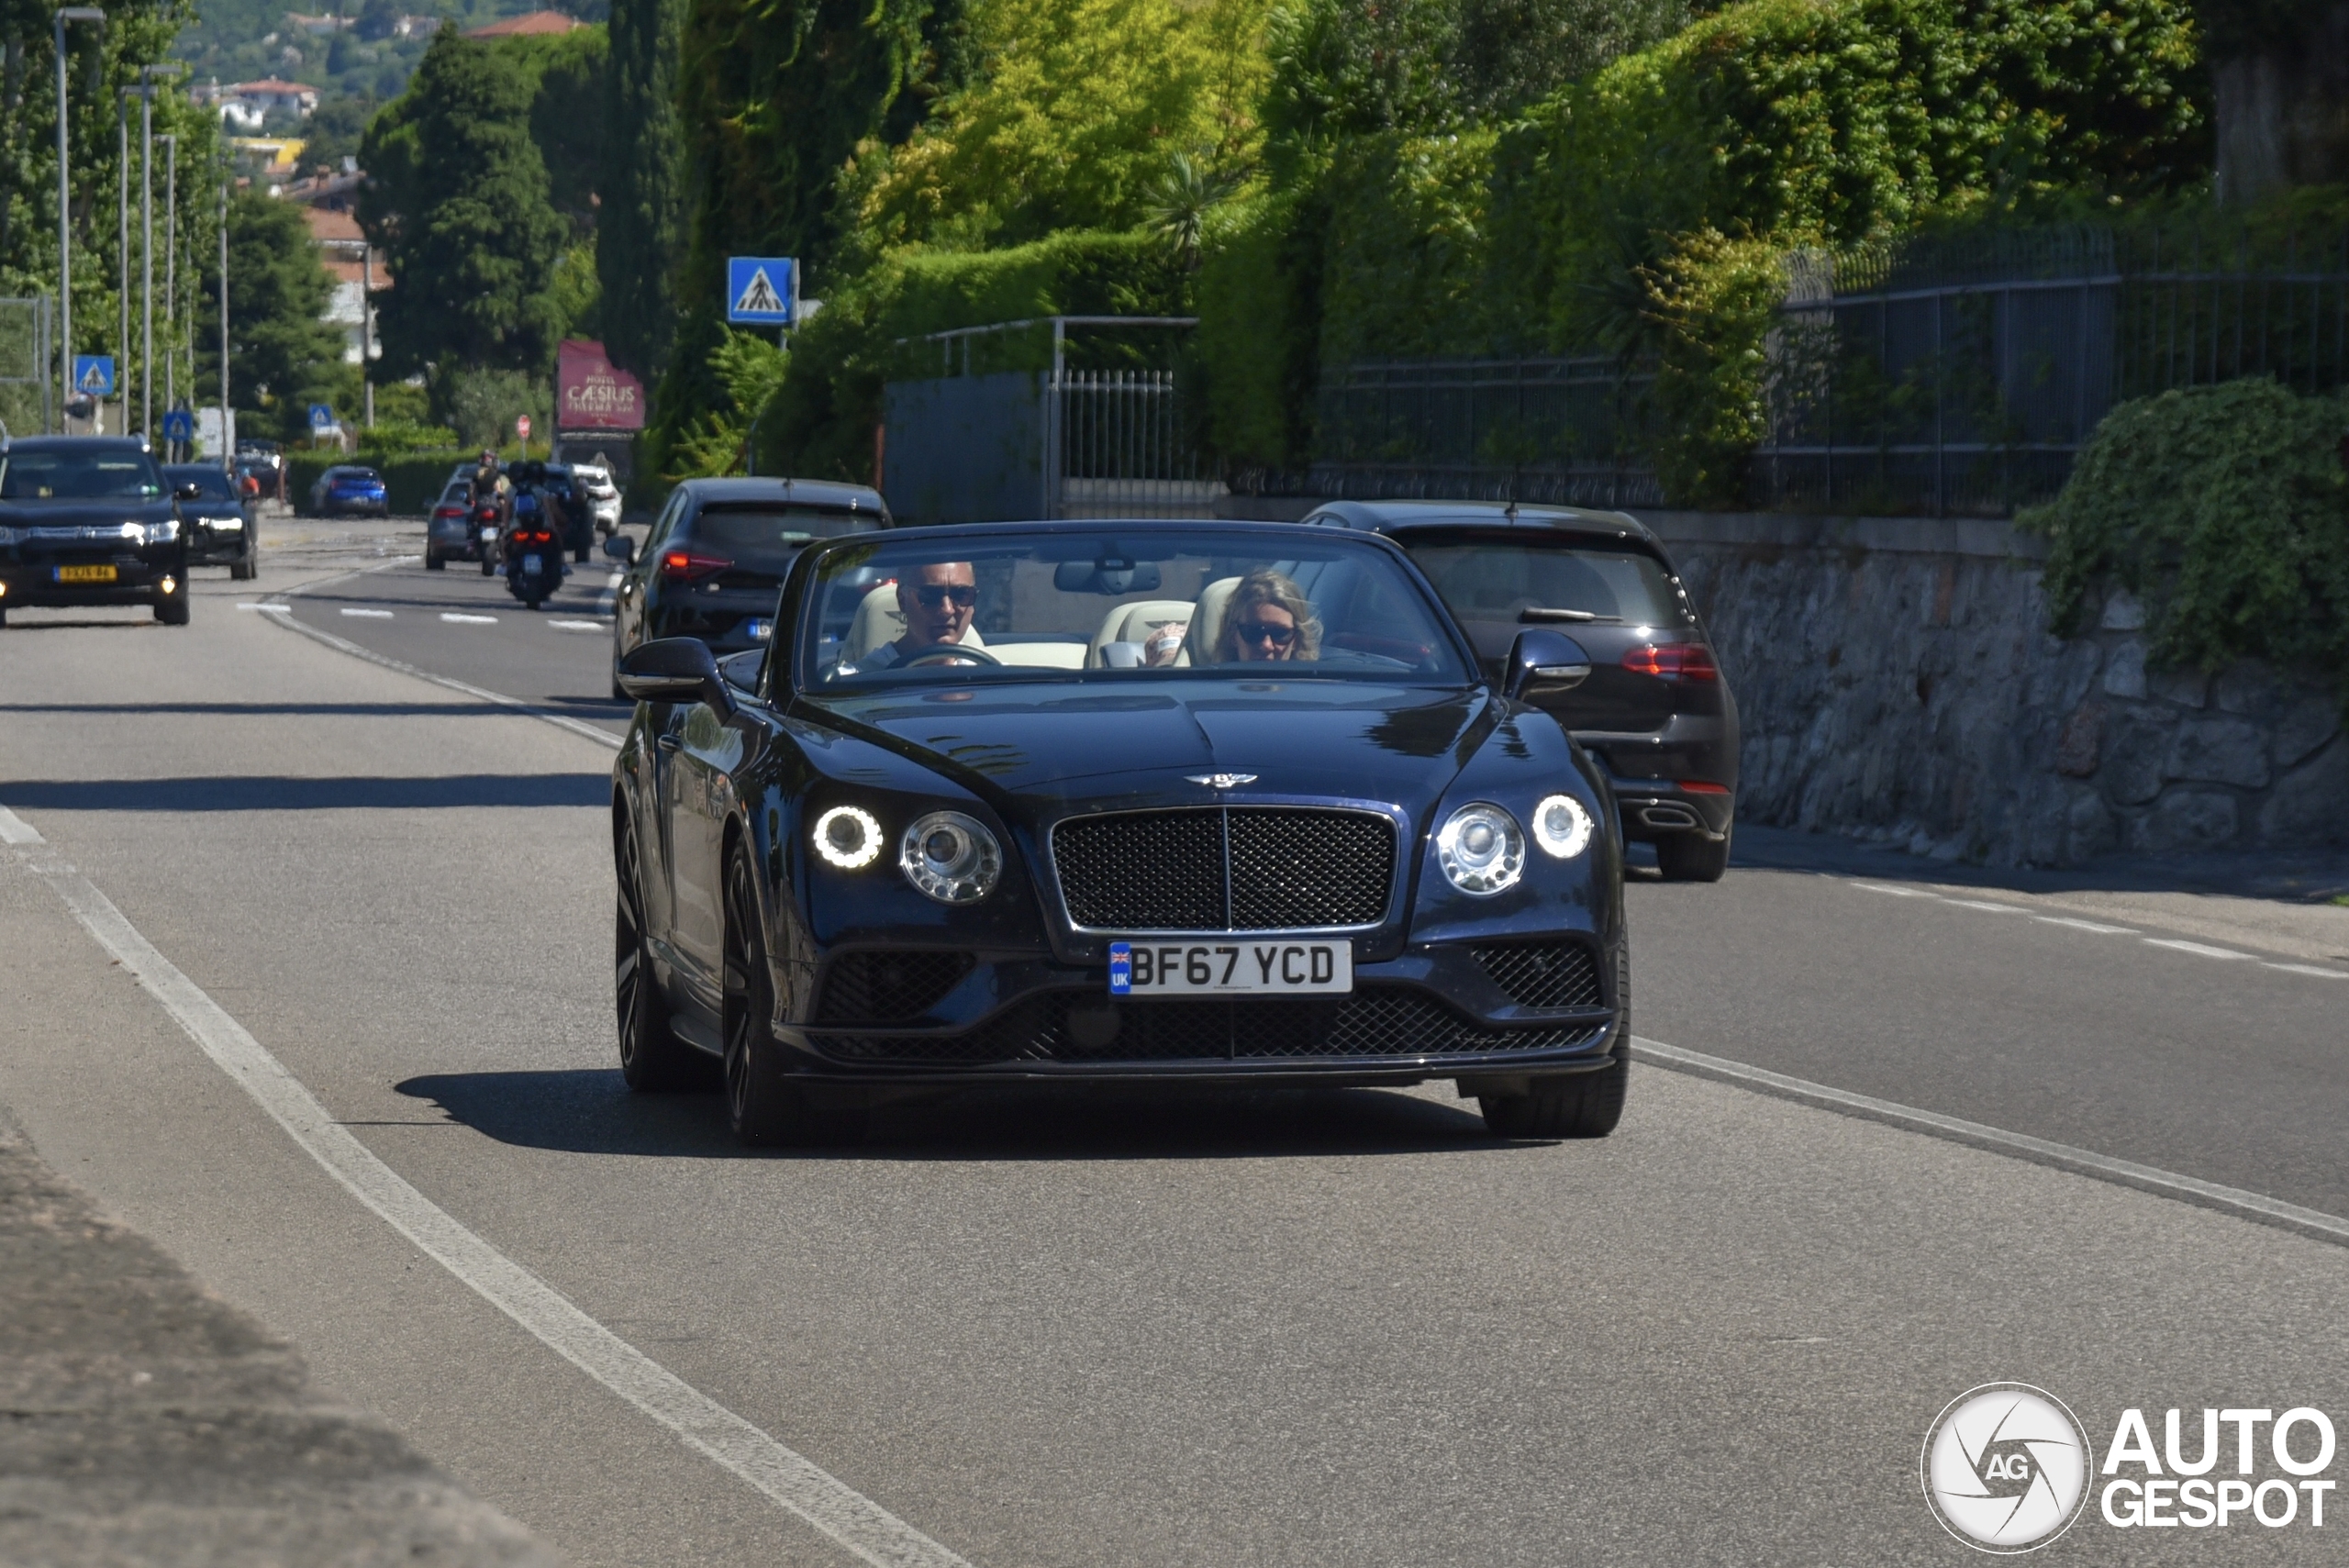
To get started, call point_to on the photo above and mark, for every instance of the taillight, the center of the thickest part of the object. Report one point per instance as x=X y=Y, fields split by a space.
x=691 y=565
x=1674 y=661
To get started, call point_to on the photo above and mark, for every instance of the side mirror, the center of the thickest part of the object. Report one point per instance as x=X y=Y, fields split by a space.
x=675 y=669
x=1543 y=663
x=620 y=548
x=189 y=492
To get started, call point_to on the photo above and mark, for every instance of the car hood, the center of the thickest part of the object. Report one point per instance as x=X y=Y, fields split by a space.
x=1034 y=754
x=102 y=514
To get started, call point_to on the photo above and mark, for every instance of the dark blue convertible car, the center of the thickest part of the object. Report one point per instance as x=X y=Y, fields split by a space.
x=1192 y=802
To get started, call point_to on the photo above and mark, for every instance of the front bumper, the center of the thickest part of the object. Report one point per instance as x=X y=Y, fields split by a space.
x=215 y=539
x=1437 y=1011
x=139 y=577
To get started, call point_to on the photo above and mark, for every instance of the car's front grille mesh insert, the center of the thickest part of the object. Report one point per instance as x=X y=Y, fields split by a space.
x=1240 y=868
x=887 y=987
x=1376 y=1023
x=1544 y=974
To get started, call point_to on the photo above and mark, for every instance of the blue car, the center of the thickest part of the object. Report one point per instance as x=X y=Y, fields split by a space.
x=346 y=489
x=1145 y=801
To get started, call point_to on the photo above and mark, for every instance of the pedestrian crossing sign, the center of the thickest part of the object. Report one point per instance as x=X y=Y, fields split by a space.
x=761 y=291
x=94 y=374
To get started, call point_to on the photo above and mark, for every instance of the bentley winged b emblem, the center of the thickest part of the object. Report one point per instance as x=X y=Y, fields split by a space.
x=1219 y=781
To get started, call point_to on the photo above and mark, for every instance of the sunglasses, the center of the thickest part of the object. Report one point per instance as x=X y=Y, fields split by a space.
x=932 y=596
x=1259 y=631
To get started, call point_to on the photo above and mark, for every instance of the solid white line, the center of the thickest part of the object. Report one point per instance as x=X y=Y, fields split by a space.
x=580 y=624
x=370 y=614
x=559 y=720
x=455 y=619
x=2307 y=969
x=2180 y=944
x=1985 y=903
x=2087 y=926
x=788 y=1479
x=282 y=609
x=2126 y=1173
x=1896 y=892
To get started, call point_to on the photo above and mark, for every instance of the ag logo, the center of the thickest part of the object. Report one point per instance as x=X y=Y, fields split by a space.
x=2006 y=1467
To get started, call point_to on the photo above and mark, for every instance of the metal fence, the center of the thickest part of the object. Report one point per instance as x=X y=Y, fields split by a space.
x=1570 y=430
x=27 y=367
x=1062 y=440
x=1964 y=377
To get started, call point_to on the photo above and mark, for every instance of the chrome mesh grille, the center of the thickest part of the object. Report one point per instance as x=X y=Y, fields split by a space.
x=1245 y=868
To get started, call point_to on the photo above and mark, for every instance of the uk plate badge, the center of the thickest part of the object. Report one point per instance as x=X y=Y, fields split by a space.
x=1121 y=969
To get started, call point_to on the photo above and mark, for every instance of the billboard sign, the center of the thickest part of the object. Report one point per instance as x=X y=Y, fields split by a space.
x=595 y=394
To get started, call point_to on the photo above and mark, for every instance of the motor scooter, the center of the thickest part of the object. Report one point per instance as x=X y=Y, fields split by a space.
x=533 y=557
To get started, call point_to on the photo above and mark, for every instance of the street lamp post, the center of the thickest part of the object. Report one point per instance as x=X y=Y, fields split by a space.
x=171 y=270
x=148 y=76
x=65 y=207
x=122 y=247
x=227 y=443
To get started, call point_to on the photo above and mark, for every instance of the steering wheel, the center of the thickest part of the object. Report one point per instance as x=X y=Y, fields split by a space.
x=951 y=653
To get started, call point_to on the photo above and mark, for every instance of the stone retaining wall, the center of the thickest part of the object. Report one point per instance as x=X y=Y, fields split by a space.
x=1896 y=680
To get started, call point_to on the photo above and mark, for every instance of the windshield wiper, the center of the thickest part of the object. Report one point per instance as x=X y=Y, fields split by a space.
x=1542 y=612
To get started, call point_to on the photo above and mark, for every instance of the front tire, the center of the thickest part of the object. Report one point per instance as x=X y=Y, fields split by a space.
x=172 y=609
x=435 y=562
x=1579 y=1105
x=1691 y=856
x=488 y=567
x=651 y=1057
x=762 y=1105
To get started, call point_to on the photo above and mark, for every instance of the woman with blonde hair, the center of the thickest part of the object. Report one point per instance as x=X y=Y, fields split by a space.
x=1268 y=618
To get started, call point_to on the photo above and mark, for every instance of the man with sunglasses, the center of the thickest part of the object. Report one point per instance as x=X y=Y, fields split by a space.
x=938 y=602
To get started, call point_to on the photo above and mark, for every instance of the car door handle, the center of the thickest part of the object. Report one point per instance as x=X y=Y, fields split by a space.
x=669 y=742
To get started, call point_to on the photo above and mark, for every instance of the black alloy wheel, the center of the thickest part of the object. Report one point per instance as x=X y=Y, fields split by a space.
x=1579 y=1105
x=1692 y=857
x=765 y=1107
x=651 y=1057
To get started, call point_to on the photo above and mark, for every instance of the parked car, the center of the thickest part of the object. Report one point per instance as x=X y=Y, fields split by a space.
x=717 y=554
x=892 y=856
x=603 y=497
x=220 y=525
x=88 y=520
x=348 y=488
x=1656 y=712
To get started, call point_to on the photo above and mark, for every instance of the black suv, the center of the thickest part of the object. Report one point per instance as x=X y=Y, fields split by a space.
x=712 y=567
x=88 y=520
x=1656 y=711
x=220 y=526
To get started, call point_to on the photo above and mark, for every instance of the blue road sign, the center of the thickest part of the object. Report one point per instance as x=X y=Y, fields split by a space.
x=179 y=425
x=94 y=374
x=321 y=417
x=761 y=291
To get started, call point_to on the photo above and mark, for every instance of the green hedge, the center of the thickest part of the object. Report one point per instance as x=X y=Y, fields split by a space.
x=412 y=480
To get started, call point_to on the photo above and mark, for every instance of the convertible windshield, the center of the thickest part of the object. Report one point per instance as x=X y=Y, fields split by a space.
x=107 y=473
x=1153 y=602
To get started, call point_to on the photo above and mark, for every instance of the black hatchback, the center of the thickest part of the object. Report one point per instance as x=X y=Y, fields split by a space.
x=713 y=567
x=1657 y=711
x=88 y=520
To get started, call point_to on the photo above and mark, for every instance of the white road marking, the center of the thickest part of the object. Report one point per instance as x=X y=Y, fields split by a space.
x=604 y=600
x=2307 y=969
x=545 y=715
x=1896 y=892
x=370 y=614
x=1985 y=903
x=282 y=609
x=580 y=624
x=2181 y=945
x=788 y=1479
x=2088 y=926
x=455 y=619
x=2126 y=1173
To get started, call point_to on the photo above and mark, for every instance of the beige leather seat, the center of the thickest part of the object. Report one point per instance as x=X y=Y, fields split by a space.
x=1137 y=623
x=878 y=620
x=1207 y=622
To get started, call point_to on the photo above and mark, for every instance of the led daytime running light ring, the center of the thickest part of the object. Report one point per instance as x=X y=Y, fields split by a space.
x=1562 y=825
x=847 y=837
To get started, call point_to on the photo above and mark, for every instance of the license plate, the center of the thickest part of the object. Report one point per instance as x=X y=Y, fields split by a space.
x=530 y=564
x=86 y=574
x=489 y=535
x=1229 y=966
x=760 y=630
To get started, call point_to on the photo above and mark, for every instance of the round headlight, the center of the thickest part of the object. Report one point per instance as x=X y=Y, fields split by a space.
x=847 y=837
x=951 y=857
x=1481 y=849
x=1562 y=827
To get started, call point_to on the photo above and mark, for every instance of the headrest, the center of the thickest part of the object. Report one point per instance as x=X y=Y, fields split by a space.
x=1134 y=623
x=1207 y=621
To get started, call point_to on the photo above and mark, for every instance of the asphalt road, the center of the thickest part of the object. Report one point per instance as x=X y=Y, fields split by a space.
x=1265 y=1330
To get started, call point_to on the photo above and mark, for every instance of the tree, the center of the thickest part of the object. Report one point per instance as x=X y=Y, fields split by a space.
x=278 y=288
x=2279 y=75
x=335 y=130
x=458 y=197
x=638 y=228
